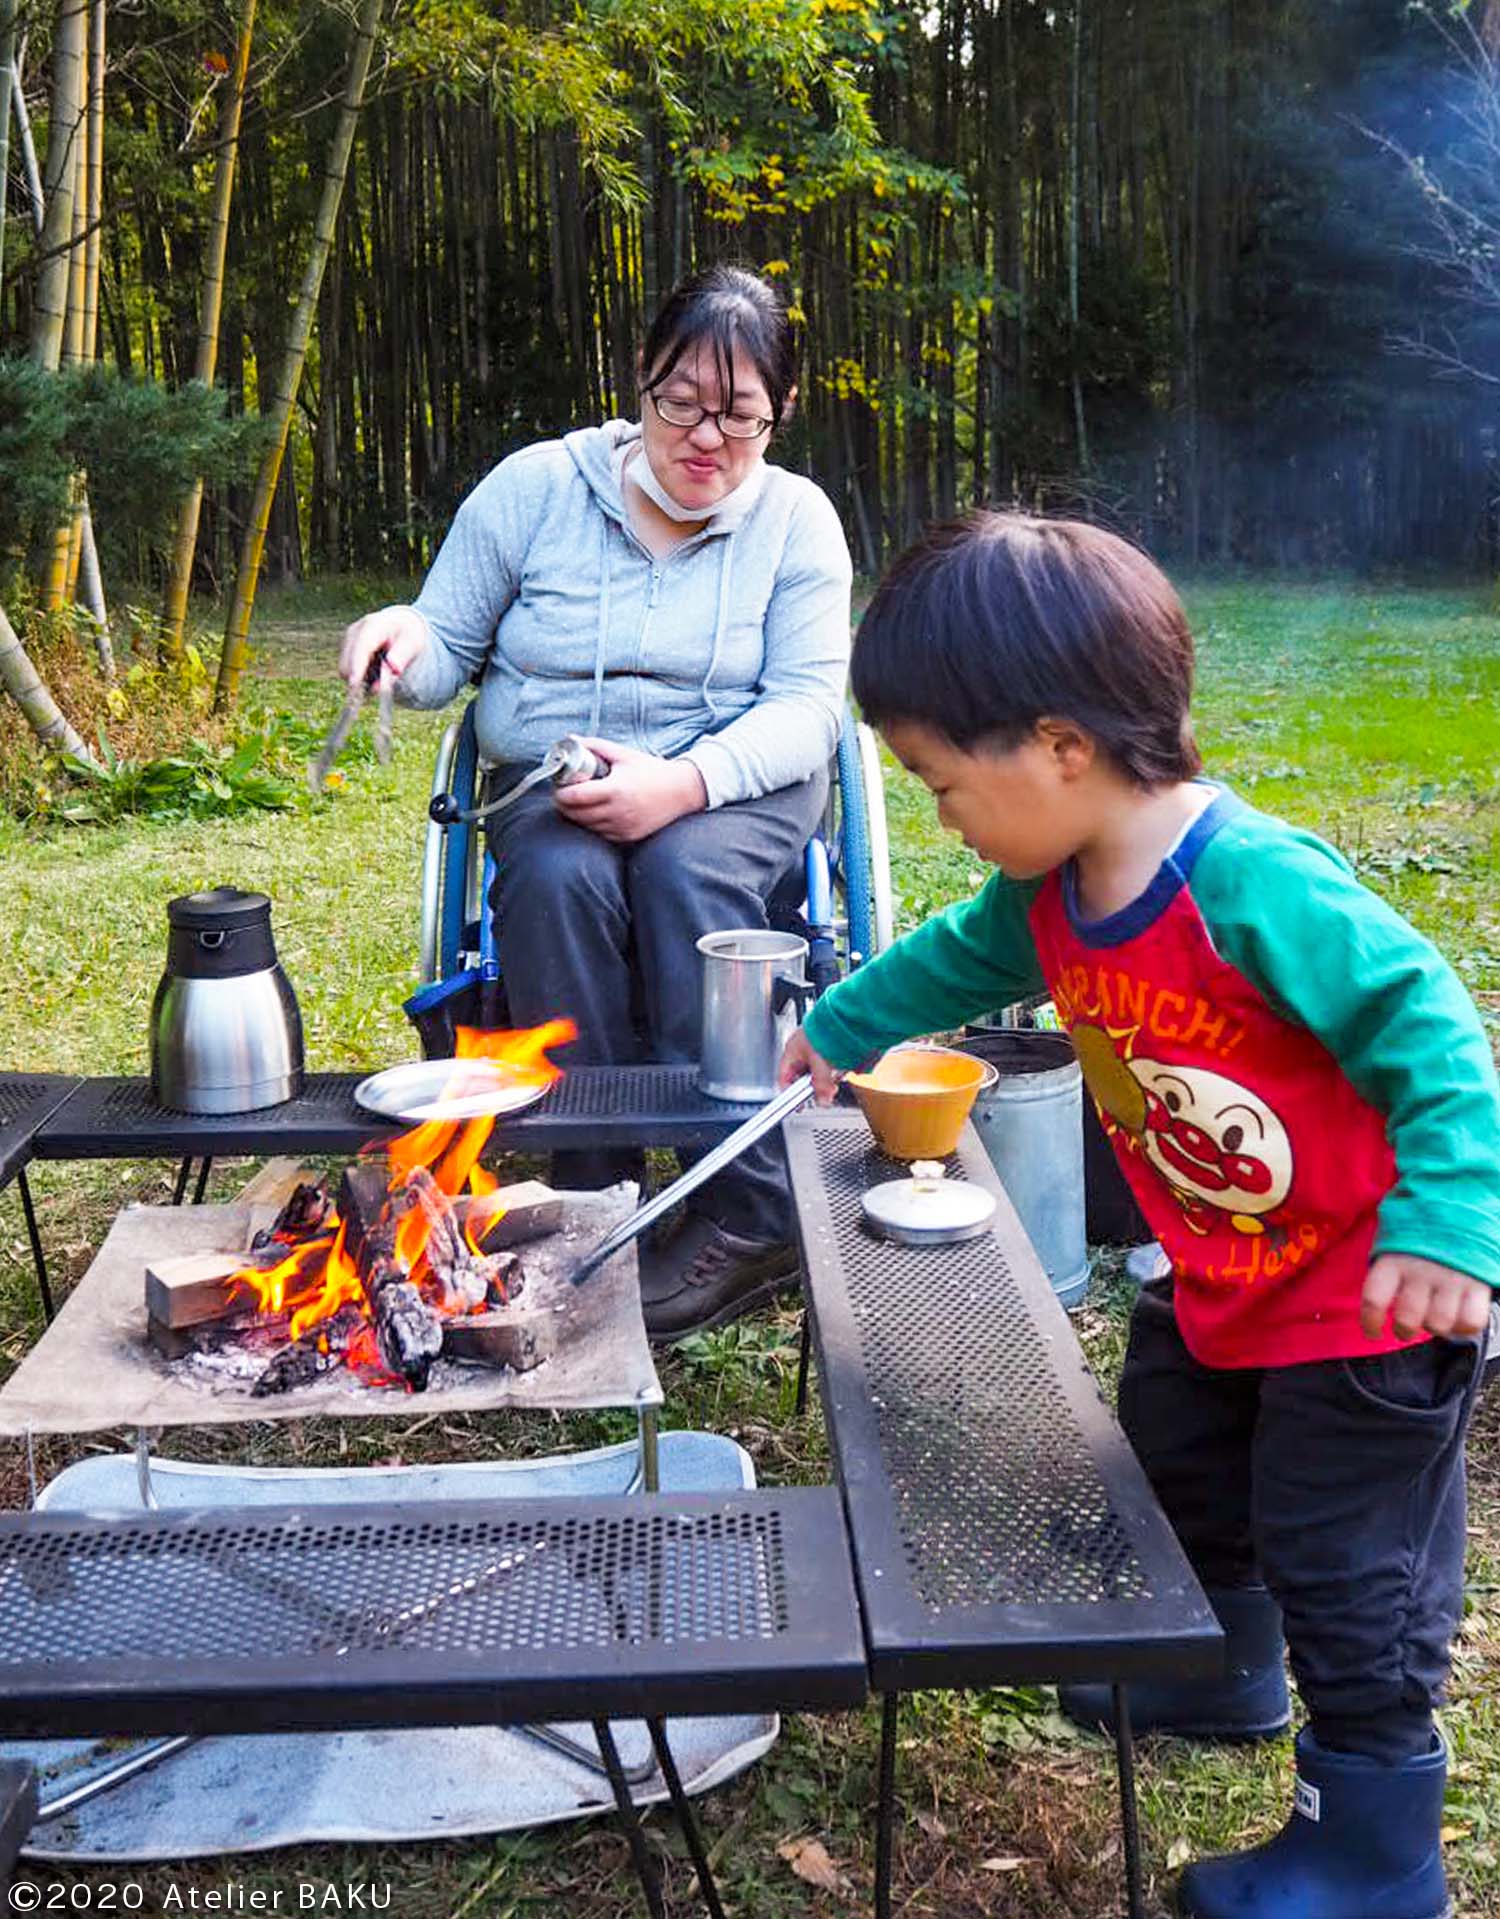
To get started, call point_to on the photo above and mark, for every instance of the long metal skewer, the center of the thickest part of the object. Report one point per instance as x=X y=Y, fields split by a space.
x=769 y=1117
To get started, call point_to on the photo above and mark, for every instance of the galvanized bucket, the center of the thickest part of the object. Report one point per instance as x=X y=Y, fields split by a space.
x=1031 y=1122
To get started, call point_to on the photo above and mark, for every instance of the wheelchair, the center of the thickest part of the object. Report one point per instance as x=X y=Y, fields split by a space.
x=839 y=900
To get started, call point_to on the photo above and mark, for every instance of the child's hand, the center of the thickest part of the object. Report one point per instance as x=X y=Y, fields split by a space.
x=798 y=1057
x=1419 y=1295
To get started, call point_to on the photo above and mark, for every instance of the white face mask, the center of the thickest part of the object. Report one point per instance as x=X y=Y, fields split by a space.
x=640 y=471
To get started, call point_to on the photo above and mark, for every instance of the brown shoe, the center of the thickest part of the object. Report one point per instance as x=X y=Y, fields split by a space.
x=705 y=1276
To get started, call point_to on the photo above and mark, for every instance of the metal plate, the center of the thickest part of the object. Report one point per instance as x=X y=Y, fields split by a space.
x=923 y=1212
x=450 y=1089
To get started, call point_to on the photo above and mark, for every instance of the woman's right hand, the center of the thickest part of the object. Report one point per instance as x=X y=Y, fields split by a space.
x=800 y=1056
x=399 y=632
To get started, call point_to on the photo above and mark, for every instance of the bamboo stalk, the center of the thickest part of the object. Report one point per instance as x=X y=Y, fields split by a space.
x=69 y=47
x=8 y=12
x=206 y=359
x=57 y=582
x=237 y=629
x=19 y=678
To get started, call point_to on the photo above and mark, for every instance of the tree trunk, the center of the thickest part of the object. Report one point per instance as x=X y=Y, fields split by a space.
x=237 y=630
x=206 y=361
x=25 y=685
x=69 y=48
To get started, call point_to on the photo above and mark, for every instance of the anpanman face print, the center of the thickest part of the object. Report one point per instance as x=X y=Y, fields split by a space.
x=1213 y=1140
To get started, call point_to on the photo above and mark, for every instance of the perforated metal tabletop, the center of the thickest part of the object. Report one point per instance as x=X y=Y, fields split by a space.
x=590 y=1106
x=1002 y=1529
x=472 y=1612
x=27 y=1101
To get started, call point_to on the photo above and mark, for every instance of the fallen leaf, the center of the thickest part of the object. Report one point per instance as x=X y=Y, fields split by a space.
x=809 y=1859
x=1002 y=1865
x=1450 y=1833
x=1178 y=1854
x=932 y=1825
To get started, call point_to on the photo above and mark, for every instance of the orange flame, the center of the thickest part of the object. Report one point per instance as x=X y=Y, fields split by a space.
x=318 y=1276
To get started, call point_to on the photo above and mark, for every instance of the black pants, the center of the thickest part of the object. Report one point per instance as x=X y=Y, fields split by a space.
x=607 y=935
x=1340 y=1483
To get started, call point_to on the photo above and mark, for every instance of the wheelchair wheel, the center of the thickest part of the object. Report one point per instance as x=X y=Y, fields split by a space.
x=859 y=848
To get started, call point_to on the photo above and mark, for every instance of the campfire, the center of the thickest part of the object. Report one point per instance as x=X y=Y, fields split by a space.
x=412 y=1258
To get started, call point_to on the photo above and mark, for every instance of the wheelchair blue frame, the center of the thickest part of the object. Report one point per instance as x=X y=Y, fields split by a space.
x=836 y=863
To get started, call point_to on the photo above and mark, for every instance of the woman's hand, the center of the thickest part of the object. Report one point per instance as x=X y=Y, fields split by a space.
x=641 y=795
x=399 y=631
x=1420 y=1296
x=800 y=1056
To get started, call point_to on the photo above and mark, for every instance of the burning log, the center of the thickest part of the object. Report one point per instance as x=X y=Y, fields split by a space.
x=318 y=1351
x=408 y=1332
x=497 y=1339
x=305 y=1212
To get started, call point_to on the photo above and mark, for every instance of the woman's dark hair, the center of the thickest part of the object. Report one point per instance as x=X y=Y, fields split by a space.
x=726 y=307
x=992 y=623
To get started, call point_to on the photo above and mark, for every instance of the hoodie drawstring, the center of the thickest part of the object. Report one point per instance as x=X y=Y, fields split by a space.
x=726 y=571
x=602 y=634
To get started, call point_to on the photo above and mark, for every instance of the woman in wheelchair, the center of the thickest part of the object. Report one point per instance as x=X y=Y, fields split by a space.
x=661 y=590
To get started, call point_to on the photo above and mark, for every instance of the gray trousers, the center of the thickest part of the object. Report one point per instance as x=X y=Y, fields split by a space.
x=607 y=934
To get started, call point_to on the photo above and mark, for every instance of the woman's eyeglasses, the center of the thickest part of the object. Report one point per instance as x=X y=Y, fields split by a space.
x=733 y=426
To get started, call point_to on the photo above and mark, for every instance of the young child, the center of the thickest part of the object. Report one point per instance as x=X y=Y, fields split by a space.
x=1304 y=1102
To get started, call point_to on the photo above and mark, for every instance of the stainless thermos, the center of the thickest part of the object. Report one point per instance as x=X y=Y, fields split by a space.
x=226 y=1033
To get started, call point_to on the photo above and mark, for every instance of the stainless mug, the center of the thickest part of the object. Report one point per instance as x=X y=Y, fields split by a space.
x=754 y=991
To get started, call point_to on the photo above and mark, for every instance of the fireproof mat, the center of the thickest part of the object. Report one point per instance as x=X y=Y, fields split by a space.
x=94 y=1367
x=245 y=1795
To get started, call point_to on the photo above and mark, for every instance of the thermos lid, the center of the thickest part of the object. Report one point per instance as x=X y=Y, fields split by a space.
x=220 y=909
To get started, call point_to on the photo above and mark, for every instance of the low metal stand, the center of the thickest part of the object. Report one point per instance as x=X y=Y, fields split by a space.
x=37 y=1259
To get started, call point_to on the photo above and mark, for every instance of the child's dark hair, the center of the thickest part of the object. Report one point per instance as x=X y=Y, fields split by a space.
x=991 y=623
x=725 y=307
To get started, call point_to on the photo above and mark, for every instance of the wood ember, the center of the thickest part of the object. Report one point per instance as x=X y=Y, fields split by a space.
x=321 y=1349
x=498 y=1339
x=304 y=1213
x=252 y=1331
x=194 y=1288
x=508 y=1280
x=408 y=1332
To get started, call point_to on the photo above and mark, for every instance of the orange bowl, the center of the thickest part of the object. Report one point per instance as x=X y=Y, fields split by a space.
x=916 y=1098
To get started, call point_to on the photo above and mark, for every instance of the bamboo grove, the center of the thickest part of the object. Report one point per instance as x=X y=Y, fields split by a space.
x=1153 y=260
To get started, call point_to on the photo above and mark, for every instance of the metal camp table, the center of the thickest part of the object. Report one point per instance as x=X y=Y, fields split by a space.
x=1002 y=1529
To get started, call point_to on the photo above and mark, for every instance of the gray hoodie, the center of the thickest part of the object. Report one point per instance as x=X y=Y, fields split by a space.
x=731 y=652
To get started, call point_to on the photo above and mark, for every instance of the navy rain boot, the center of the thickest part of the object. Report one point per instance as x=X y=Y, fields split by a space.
x=1363 y=1842
x=1250 y=1701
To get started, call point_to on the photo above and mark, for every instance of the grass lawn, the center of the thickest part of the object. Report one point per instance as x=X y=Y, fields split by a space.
x=1370 y=716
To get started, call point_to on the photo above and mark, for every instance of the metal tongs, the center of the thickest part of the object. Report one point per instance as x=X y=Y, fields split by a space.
x=343 y=726
x=786 y=1102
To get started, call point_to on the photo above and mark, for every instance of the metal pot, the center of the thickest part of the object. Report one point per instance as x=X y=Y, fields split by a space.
x=754 y=992
x=226 y=1032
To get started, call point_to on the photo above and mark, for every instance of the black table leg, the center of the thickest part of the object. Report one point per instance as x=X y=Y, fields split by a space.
x=202 y=1187
x=645 y=1865
x=685 y=1819
x=1130 y=1825
x=183 y=1172
x=804 y=1354
x=35 y=1237
x=885 y=1818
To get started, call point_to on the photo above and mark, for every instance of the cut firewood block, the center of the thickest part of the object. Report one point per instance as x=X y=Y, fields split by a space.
x=274 y=1184
x=531 y=1210
x=194 y=1289
x=498 y=1339
x=171 y=1342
